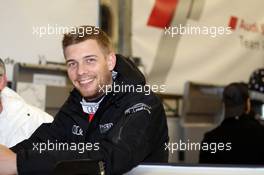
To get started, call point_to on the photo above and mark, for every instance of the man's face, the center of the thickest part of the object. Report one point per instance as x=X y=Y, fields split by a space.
x=88 y=68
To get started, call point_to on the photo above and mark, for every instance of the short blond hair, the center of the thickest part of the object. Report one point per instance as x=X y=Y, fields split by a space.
x=83 y=33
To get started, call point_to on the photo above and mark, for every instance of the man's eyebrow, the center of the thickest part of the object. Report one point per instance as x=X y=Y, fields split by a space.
x=89 y=56
x=69 y=60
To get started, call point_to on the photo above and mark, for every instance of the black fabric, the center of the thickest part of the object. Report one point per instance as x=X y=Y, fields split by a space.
x=235 y=98
x=246 y=136
x=135 y=136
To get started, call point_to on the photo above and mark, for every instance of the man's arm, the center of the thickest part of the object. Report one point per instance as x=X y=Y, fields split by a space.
x=130 y=142
x=137 y=137
x=8 y=164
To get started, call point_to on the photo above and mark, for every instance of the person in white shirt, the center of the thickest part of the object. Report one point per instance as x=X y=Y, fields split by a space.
x=18 y=120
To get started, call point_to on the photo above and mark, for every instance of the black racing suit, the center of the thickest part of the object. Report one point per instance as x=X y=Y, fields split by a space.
x=128 y=128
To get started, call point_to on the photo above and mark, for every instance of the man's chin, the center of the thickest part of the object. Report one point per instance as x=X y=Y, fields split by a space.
x=90 y=95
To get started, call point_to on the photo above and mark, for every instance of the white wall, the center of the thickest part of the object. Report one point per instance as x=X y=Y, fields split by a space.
x=19 y=20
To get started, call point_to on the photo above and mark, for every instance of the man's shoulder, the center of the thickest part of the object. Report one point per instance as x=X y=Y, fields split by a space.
x=9 y=97
x=10 y=93
x=216 y=133
x=149 y=97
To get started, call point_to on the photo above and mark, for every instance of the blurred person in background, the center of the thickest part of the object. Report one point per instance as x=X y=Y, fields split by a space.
x=256 y=91
x=18 y=120
x=239 y=138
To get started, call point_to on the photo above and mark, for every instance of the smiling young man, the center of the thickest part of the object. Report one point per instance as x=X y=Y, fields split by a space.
x=89 y=68
x=123 y=129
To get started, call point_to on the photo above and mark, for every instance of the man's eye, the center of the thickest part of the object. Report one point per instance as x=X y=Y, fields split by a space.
x=90 y=60
x=71 y=64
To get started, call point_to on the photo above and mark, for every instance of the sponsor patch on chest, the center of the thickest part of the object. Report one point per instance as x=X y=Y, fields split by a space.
x=77 y=130
x=105 y=127
x=138 y=107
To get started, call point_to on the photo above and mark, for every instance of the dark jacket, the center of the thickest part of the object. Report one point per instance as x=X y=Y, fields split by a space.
x=245 y=136
x=127 y=129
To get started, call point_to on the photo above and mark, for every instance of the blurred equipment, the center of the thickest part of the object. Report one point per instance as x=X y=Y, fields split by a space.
x=44 y=86
x=202 y=110
x=202 y=104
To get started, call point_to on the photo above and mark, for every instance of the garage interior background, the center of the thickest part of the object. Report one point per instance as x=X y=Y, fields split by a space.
x=193 y=66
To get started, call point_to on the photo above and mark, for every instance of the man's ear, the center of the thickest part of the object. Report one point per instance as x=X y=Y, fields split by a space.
x=3 y=82
x=111 y=61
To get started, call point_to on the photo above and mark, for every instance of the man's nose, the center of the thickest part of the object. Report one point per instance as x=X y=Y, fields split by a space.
x=81 y=69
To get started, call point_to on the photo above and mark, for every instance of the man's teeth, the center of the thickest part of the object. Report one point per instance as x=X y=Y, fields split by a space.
x=85 y=81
